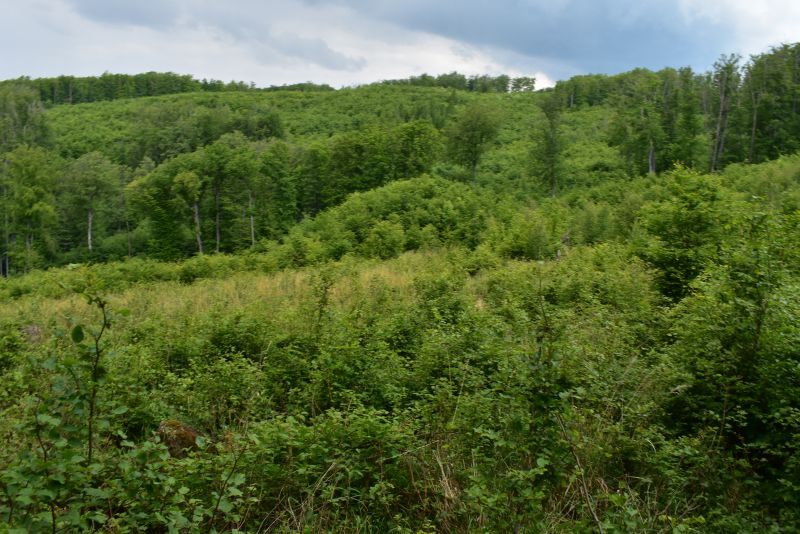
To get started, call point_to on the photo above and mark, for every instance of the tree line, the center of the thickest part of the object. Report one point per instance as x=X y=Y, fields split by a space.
x=222 y=197
x=475 y=83
x=193 y=176
x=738 y=112
x=108 y=86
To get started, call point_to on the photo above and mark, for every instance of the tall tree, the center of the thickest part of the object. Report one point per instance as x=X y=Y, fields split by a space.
x=547 y=143
x=189 y=188
x=92 y=182
x=274 y=195
x=726 y=83
x=470 y=134
x=161 y=203
x=523 y=84
x=415 y=146
x=688 y=140
x=359 y=160
x=22 y=119
x=27 y=180
x=768 y=124
x=638 y=127
x=220 y=166
x=312 y=164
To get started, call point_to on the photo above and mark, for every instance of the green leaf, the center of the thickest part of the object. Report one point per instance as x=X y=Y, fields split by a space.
x=97 y=492
x=77 y=334
x=49 y=420
x=99 y=517
x=24 y=500
x=225 y=505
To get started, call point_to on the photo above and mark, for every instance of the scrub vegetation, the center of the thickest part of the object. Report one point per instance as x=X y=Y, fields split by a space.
x=440 y=304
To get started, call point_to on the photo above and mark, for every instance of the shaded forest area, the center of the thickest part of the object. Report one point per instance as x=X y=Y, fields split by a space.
x=440 y=304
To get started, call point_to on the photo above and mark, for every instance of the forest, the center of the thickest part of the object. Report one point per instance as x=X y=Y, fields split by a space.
x=439 y=304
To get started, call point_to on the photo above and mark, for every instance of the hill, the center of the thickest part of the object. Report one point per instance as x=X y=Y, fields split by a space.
x=405 y=308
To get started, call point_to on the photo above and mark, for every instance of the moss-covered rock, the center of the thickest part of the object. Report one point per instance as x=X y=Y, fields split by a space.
x=178 y=437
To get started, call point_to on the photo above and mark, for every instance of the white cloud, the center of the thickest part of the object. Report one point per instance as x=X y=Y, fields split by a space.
x=251 y=41
x=754 y=24
x=344 y=43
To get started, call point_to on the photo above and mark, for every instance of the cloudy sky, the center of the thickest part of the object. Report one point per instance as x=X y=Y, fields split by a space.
x=344 y=42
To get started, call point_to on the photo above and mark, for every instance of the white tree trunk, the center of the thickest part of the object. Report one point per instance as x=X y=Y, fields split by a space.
x=89 y=228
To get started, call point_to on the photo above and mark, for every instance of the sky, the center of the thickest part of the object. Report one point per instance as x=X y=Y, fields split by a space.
x=350 y=42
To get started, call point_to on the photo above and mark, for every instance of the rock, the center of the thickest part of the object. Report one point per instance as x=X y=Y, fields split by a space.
x=33 y=334
x=178 y=437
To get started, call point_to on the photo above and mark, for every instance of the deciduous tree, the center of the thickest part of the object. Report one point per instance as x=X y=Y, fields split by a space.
x=470 y=134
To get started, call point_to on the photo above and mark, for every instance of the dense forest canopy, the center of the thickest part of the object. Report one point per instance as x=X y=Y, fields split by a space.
x=77 y=90
x=305 y=150
x=438 y=304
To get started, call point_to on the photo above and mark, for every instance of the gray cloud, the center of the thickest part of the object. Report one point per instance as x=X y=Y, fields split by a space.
x=156 y=14
x=316 y=51
x=568 y=36
x=593 y=35
x=246 y=22
x=345 y=42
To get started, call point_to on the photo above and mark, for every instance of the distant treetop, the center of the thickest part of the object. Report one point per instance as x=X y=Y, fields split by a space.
x=77 y=90
x=479 y=84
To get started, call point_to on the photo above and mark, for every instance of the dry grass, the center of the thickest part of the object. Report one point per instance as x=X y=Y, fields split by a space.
x=283 y=292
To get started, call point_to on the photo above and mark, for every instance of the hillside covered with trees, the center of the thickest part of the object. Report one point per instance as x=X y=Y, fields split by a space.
x=438 y=304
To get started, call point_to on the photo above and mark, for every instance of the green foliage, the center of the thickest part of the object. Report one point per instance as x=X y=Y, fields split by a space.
x=470 y=134
x=387 y=239
x=391 y=347
x=738 y=389
x=22 y=119
x=480 y=84
x=405 y=215
x=548 y=145
x=683 y=232
x=30 y=214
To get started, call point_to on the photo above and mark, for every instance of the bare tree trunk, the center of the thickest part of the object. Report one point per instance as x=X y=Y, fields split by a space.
x=7 y=242
x=128 y=236
x=252 y=231
x=12 y=243
x=252 y=219
x=704 y=106
x=755 y=101
x=197 y=233
x=722 y=117
x=89 y=228
x=651 y=158
x=552 y=163
x=4 y=268
x=721 y=143
x=124 y=206
x=28 y=250
x=216 y=215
